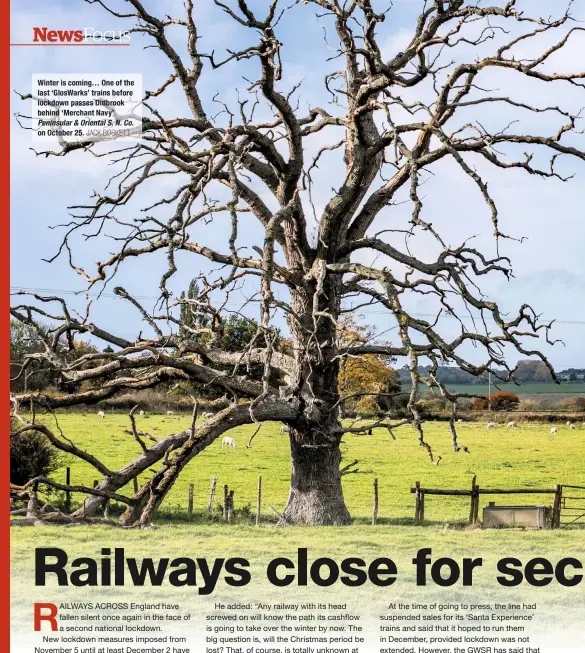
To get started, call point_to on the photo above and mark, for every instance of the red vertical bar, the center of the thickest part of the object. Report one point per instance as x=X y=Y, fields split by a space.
x=5 y=334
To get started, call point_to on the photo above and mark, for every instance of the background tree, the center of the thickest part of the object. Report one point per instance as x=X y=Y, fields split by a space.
x=25 y=372
x=193 y=321
x=30 y=368
x=266 y=157
x=235 y=334
x=370 y=382
x=31 y=455
x=367 y=382
x=504 y=401
x=533 y=371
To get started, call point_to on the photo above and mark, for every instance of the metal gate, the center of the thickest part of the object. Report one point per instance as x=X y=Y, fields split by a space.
x=572 y=510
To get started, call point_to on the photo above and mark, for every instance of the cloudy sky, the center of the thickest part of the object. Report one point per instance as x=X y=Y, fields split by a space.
x=549 y=264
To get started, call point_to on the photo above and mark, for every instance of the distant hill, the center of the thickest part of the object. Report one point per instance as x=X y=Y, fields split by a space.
x=529 y=371
x=445 y=374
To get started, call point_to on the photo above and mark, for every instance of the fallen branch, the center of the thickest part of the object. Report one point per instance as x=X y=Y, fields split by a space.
x=96 y=492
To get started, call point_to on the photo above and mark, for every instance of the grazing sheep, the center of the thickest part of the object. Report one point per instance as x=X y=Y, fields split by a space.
x=284 y=429
x=491 y=425
x=459 y=421
x=228 y=442
x=511 y=425
x=554 y=430
x=207 y=415
x=170 y=412
x=573 y=427
x=101 y=414
x=141 y=413
x=569 y=423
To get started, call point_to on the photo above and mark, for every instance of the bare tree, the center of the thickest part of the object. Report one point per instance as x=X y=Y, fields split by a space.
x=391 y=119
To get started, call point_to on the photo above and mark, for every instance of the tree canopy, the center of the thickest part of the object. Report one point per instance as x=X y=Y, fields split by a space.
x=307 y=206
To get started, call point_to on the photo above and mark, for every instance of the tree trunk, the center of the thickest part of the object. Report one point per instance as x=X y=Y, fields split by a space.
x=316 y=494
x=133 y=513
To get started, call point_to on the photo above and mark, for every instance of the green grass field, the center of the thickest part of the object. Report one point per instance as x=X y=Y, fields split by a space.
x=527 y=456
x=260 y=545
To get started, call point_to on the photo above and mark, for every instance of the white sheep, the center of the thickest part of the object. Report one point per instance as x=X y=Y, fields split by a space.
x=554 y=430
x=573 y=427
x=569 y=423
x=491 y=425
x=459 y=421
x=206 y=415
x=141 y=413
x=101 y=414
x=228 y=442
x=511 y=425
x=284 y=428
x=170 y=412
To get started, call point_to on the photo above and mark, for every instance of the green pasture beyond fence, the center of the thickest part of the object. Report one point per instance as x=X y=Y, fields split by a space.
x=527 y=456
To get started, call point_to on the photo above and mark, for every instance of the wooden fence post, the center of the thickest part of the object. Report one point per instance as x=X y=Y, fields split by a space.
x=190 y=506
x=417 y=503
x=259 y=501
x=375 y=506
x=211 y=494
x=230 y=502
x=556 y=516
x=225 y=501
x=472 y=508
x=67 y=493
x=476 y=505
x=422 y=508
x=32 y=508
